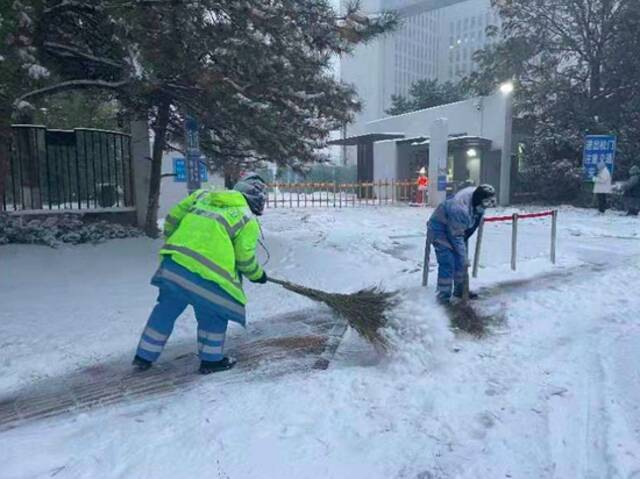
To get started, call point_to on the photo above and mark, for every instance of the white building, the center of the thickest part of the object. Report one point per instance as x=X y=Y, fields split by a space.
x=436 y=41
x=477 y=146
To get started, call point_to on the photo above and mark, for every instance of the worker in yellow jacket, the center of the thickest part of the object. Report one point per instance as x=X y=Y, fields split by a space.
x=211 y=243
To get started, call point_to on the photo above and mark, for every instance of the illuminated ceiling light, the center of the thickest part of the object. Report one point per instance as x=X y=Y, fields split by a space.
x=472 y=153
x=506 y=88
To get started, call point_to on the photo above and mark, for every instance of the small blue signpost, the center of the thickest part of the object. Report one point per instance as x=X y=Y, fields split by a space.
x=442 y=182
x=180 y=171
x=204 y=172
x=598 y=149
x=193 y=154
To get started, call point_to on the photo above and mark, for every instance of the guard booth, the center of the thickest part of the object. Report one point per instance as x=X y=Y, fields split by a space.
x=470 y=160
x=391 y=156
x=364 y=145
x=479 y=145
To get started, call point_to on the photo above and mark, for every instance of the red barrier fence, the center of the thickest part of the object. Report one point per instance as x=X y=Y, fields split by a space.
x=514 y=235
x=493 y=219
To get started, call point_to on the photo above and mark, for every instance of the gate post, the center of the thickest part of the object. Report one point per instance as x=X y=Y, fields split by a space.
x=141 y=156
x=554 y=234
x=514 y=241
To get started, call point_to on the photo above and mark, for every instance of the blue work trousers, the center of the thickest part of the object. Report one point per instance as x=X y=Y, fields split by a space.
x=211 y=327
x=450 y=271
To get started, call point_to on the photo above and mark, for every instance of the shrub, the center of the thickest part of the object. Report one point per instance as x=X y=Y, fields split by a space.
x=56 y=230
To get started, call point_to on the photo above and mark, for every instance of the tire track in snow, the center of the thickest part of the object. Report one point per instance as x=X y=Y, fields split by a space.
x=579 y=418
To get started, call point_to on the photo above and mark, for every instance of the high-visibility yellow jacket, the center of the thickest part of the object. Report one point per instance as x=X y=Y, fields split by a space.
x=213 y=234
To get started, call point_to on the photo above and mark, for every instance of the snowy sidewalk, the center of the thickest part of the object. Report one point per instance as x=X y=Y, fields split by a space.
x=552 y=393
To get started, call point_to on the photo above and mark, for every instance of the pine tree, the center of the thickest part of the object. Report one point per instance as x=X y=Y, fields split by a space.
x=17 y=71
x=256 y=74
x=576 y=67
x=426 y=94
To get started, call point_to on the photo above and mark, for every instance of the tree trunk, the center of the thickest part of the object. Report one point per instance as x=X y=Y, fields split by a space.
x=4 y=164
x=231 y=174
x=5 y=151
x=159 y=143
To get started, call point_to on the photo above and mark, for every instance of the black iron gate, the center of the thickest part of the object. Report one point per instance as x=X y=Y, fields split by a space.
x=68 y=169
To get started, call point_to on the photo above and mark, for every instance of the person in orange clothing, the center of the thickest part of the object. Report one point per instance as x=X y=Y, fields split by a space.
x=423 y=186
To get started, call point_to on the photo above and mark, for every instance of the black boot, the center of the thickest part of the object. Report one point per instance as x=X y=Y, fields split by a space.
x=141 y=364
x=472 y=295
x=208 y=367
x=442 y=299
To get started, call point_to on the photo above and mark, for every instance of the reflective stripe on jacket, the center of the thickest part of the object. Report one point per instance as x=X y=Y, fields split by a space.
x=203 y=294
x=214 y=235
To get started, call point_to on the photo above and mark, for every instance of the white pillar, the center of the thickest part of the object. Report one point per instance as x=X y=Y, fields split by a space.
x=505 y=159
x=438 y=155
x=141 y=156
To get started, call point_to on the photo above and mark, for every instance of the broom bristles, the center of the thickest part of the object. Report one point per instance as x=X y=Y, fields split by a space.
x=465 y=317
x=364 y=310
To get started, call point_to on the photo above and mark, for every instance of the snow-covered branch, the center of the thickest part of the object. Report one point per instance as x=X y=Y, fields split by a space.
x=71 y=85
x=66 y=50
x=70 y=5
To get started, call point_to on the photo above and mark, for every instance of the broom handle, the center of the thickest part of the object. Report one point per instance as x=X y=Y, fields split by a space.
x=465 y=287
x=281 y=282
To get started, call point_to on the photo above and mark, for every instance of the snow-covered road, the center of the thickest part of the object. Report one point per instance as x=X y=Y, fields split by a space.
x=552 y=393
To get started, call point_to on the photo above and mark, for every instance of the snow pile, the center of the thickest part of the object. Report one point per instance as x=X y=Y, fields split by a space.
x=55 y=230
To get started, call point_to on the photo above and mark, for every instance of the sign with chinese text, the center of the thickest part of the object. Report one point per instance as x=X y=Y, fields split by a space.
x=598 y=149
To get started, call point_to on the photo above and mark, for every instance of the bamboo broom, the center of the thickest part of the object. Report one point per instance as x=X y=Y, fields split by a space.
x=364 y=310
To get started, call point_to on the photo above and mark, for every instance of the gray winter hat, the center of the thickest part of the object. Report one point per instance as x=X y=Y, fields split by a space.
x=254 y=189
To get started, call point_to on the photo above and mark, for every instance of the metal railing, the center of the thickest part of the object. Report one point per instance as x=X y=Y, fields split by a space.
x=553 y=214
x=67 y=170
x=343 y=195
x=514 y=218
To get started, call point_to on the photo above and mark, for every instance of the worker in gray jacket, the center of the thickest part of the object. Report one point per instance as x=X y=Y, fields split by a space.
x=631 y=191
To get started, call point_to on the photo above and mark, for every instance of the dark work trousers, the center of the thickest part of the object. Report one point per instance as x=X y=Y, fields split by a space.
x=602 y=202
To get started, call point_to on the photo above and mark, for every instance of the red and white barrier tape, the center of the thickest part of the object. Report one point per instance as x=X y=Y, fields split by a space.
x=493 y=219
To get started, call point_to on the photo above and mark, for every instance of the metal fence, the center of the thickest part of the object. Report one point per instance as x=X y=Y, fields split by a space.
x=68 y=169
x=343 y=195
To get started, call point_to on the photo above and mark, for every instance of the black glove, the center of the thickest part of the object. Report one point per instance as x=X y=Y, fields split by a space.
x=262 y=279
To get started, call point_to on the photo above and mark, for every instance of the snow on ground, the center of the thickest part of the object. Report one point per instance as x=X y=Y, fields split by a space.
x=554 y=392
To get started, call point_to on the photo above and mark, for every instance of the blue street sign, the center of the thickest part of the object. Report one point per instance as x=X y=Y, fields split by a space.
x=193 y=172
x=204 y=173
x=179 y=170
x=192 y=137
x=598 y=149
x=192 y=141
x=442 y=183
